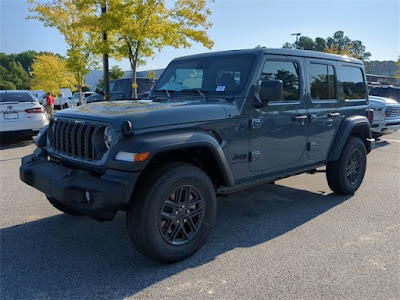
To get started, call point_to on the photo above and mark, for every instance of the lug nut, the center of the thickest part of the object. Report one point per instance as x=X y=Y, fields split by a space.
x=188 y=211
x=176 y=212
x=184 y=220
x=177 y=221
x=183 y=206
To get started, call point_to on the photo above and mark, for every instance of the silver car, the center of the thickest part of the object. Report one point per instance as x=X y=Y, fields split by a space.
x=386 y=115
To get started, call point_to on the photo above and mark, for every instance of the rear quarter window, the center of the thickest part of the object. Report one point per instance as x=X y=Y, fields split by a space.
x=354 y=86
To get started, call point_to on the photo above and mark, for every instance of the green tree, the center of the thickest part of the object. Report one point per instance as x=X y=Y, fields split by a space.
x=63 y=15
x=115 y=73
x=345 y=46
x=338 y=43
x=138 y=29
x=307 y=43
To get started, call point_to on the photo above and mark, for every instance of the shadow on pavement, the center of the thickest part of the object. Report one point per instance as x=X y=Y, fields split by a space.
x=76 y=257
x=15 y=141
x=380 y=144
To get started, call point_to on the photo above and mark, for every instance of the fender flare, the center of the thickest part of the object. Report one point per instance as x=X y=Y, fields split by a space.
x=359 y=124
x=164 y=141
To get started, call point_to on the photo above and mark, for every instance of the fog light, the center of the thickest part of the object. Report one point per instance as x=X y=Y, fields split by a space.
x=88 y=196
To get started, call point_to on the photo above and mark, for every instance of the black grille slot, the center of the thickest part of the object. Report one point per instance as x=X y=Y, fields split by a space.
x=392 y=112
x=75 y=139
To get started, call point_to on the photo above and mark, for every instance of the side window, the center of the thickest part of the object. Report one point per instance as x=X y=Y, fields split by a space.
x=286 y=71
x=354 y=86
x=322 y=81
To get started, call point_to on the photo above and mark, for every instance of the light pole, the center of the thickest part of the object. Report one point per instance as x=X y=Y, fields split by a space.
x=297 y=39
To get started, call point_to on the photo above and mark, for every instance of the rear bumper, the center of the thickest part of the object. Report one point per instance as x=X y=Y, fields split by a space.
x=32 y=125
x=108 y=193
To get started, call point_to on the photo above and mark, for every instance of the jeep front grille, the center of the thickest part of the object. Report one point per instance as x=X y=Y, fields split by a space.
x=392 y=112
x=74 y=138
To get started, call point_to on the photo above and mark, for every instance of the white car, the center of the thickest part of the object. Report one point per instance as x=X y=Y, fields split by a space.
x=21 y=112
x=74 y=101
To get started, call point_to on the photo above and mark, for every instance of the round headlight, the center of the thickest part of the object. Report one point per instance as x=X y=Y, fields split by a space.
x=108 y=137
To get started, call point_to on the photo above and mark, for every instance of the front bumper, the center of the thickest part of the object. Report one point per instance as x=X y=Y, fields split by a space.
x=109 y=193
x=385 y=126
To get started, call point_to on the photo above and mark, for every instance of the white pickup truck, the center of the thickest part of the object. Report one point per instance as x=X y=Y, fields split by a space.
x=74 y=100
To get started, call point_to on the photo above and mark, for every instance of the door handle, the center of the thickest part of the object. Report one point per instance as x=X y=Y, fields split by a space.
x=300 y=118
x=333 y=115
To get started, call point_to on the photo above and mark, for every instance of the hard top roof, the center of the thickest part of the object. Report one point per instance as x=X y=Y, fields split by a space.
x=282 y=51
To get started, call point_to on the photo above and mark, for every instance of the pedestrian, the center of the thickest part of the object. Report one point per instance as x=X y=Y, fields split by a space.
x=49 y=105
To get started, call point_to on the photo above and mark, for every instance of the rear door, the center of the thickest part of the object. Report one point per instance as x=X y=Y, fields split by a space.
x=324 y=110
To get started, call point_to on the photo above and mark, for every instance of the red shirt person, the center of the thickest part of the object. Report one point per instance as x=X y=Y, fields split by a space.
x=49 y=105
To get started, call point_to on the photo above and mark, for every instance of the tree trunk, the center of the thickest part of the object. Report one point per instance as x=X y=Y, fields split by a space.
x=134 y=88
x=80 y=93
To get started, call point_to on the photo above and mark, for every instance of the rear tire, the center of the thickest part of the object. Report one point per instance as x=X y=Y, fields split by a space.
x=172 y=212
x=347 y=173
x=63 y=208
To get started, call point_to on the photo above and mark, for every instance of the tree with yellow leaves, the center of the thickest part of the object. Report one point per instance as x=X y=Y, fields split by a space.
x=63 y=15
x=50 y=74
x=137 y=29
x=346 y=51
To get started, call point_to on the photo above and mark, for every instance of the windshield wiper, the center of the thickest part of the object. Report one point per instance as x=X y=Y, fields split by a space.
x=168 y=92
x=201 y=92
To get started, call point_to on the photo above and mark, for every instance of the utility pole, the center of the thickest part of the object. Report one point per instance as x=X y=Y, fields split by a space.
x=297 y=39
x=106 y=74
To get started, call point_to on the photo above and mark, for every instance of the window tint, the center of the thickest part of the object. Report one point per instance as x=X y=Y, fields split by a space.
x=322 y=80
x=16 y=97
x=353 y=83
x=286 y=71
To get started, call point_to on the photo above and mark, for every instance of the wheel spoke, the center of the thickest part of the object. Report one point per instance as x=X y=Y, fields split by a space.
x=195 y=212
x=174 y=232
x=167 y=216
x=181 y=215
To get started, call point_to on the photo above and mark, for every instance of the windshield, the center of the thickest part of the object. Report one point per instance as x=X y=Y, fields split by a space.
x=120 y=85
x=16 y=97
x=212 y=74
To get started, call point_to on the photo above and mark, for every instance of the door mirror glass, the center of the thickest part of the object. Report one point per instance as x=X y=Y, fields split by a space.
x=271 y=90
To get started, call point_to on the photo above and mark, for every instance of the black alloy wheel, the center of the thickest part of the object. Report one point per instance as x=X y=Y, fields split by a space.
x=181 y=215
x=354 y=168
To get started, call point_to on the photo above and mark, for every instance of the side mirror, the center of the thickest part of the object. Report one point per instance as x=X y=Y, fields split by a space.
x=271 y=90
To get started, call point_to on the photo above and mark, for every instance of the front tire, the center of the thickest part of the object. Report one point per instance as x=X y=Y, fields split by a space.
x=172 y=212
x=347 y=173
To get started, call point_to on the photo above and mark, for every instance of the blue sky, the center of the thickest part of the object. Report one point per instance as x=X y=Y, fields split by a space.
x=240 y=24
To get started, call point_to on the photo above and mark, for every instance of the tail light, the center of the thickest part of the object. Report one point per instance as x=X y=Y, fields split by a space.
x=37 y=110
x=370 y=115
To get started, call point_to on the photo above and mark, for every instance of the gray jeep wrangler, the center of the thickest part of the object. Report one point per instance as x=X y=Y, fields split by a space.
x=214 y=124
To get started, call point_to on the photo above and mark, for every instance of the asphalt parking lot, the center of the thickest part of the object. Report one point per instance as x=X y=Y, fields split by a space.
x=292 y=240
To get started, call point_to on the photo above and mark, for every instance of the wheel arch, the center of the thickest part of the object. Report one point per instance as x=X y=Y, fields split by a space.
x=356 y=126
x=199 y=148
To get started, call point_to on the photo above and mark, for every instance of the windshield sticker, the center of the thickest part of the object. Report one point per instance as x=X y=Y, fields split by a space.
x=220 y=88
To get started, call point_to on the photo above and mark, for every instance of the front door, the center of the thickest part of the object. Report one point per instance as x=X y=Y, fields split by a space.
x=278 y=131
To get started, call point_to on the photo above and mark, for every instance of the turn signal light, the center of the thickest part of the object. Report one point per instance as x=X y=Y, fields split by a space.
x=142 y=156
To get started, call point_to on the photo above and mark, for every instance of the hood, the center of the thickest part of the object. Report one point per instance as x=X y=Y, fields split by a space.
x=379 y=101
x=146 y=113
